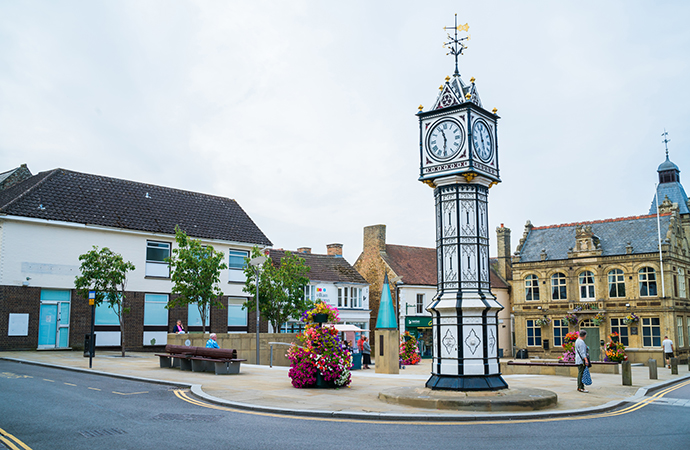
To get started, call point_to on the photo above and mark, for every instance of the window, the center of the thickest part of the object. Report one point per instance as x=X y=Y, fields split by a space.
x=681 y=283
x=420 y=303
x=586 y=285
x=617 y=326
x=292 y=327
x=156 y=252
x=647 y=282
x=531 y=287
x=681 y=342
x=237 y=315
x=616 y=283
x=560 y=329
x=353 y=297
x=236 y=265
x=533 y=334
x=558 y=290
x=154 y=309
x=193 y=316
x=310 y=292
x=105 y=315
x=651 y=332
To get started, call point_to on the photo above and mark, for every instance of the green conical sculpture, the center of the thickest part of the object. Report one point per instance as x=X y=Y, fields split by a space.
x=386 y=317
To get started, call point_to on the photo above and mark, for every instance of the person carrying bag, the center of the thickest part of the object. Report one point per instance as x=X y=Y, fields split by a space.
x=583 y=363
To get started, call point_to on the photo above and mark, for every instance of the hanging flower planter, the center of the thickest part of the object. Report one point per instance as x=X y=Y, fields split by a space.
x=320 y=318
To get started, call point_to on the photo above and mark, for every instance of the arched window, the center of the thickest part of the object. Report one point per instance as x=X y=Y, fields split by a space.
x=558 y=290
x=587 y=323
x=586 y=285
x=531 y=287
x=616 y=283
x=647 y=282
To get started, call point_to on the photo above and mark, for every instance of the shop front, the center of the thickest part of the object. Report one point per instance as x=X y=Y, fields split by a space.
x=420 y=328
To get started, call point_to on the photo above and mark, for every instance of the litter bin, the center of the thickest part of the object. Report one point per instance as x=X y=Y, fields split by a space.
x=356 y=361
x=522 y=354
x=87 y=345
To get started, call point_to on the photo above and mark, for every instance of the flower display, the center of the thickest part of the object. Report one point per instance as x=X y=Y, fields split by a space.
x=544 y=321
x=322 y=352
x=615 y=351
x=569 y=346
x=571 y=319
x=630 y=319
x=599 y=318
x=321 y=308
x=409 y=353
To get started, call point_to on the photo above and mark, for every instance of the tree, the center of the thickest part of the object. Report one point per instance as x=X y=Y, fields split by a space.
x=195 y=274
x=105 y=272
x=281 y=292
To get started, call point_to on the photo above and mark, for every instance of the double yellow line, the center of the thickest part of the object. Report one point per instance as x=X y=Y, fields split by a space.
x=10 y=441
x=184 y=395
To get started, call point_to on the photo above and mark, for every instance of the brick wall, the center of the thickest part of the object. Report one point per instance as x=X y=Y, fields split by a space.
x=19 y=299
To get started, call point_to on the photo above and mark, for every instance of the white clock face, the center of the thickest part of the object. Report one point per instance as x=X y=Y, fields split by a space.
x=481 y=138
x=445 y=139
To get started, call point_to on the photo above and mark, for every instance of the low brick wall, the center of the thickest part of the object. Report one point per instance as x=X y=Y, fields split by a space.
x=554 y=368
x=244 y=343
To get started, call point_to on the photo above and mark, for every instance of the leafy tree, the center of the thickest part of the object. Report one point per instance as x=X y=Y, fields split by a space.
x=105 y=272
x=281 y=292
x=195 y=274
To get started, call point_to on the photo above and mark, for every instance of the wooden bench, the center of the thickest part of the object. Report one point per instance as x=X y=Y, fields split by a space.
x=222 y=361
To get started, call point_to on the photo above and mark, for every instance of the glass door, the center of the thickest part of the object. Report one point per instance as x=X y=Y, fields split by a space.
x=53 y=327
x=47 y=327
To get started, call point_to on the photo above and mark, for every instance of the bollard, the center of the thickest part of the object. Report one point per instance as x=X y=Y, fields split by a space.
x=653 y=375
x=626 y=373
x=674 y=366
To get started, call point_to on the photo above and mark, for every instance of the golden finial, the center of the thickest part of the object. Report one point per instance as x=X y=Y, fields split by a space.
x=421 y=108
x=440 y=88
x=472 y=80
x=468 y=96
x=429 y=183
x=494 y=110
x=447 y=79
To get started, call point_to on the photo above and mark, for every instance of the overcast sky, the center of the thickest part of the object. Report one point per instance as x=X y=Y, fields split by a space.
x=304 y=111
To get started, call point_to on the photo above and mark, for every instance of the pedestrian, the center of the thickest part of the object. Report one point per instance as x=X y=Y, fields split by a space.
x=360 y=342
x=667 y=344
x=581 y=359
x=211 y=343
x=178 y=328
x=366 y=353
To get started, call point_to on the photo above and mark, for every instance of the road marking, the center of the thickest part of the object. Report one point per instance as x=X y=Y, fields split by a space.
x=10 y=440
x=94 y=389
x=130 y=393
x=184 y=395
x=70 y=384
x=45 y=379
x=13 y=375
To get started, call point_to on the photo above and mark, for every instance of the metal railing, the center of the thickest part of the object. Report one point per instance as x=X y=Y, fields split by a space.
x=270 y=361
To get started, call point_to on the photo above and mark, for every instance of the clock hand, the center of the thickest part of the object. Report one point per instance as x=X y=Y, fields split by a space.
x=444 y=142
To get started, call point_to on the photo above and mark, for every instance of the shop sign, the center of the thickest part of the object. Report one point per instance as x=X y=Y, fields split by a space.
x=418 y=321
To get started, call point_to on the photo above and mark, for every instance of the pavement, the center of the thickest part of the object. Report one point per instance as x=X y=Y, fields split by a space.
x=268 y=389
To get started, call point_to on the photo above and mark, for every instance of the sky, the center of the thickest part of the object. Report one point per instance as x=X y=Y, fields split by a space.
x=304 y=111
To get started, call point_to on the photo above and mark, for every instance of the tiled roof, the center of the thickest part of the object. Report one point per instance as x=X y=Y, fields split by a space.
x=417 y=265
x=675 y=193
x=614 y=235
x=68 y=196
x=324 y=267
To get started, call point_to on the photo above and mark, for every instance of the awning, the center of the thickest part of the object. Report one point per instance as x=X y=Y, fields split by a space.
x=347 y=327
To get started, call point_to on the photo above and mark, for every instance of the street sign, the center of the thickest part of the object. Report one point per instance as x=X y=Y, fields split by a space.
x=92 y=298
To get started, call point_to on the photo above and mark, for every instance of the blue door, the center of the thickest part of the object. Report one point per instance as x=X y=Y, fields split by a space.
x=47 y=327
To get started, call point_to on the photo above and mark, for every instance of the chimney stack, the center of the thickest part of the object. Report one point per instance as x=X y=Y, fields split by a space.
x=504 y=267
x=306 y=250
x=335 y=250
x=374 y=238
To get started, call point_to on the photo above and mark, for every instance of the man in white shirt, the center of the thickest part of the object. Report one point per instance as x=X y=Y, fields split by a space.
x=667 y=345
x=581 y=359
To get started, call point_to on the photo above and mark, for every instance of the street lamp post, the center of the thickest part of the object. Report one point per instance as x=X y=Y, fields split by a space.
x=256 y=263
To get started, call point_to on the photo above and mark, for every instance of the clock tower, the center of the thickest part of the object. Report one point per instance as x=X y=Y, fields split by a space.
x=459 y=160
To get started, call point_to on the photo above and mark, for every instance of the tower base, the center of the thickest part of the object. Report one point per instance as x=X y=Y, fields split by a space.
x=467 y=382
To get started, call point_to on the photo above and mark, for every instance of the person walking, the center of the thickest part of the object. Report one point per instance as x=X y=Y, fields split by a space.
x=366 y=353
x=581 y=359
x=667 y=345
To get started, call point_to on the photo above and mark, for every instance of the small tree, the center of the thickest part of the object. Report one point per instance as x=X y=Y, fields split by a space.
x=195 y=274
x=281 y=292
x=105 y=272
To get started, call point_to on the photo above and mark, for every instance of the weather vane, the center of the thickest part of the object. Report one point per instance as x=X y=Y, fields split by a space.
x=665 y=141
x=456 y=46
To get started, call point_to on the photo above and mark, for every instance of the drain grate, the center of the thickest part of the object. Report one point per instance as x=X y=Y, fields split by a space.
x=105 y=432
x=187 y=417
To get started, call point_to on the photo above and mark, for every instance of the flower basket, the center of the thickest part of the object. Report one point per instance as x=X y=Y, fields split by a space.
x=630 y=319
x=599 y=318
x=320 y=318
x=542 y=322
x=409 y=353
x=571 y=319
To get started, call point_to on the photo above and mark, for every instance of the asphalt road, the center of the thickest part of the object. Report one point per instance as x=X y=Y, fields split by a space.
x=53 y=409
